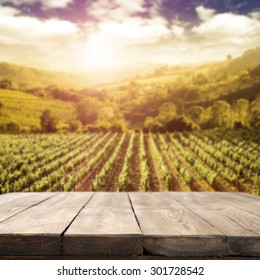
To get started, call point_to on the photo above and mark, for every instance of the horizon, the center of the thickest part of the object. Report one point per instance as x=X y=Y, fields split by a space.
x=113 y=36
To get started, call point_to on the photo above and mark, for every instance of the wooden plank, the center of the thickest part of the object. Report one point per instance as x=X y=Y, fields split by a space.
x=109 y=200
x=251 y=196
x=214 y=211
x=151 y=200
x=172 y=224
x=14 y=203
x=170 y=229
x=248 y=203
x=245 y=219
x=241 y=228
x=67 y=200
x=38 y=230
x=104 y=229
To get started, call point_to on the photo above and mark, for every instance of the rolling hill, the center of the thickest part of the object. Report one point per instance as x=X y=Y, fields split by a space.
x=25 y=93
x=25 y=110
x=25 y=78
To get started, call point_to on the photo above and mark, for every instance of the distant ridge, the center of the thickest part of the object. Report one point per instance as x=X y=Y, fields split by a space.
x=23 y=77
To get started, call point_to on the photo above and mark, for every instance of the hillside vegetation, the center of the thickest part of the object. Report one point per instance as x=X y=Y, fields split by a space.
x=24 y=110
x=171 y=98
x=26 y=78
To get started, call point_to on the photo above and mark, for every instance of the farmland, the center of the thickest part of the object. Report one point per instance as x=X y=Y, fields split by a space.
x=25 y=109
x=131 y=161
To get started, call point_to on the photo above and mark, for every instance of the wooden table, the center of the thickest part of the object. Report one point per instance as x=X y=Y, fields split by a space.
x=129 y=225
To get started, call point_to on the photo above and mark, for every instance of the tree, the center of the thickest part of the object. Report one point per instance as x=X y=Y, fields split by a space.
x=244 y=76
x=148 y=123
x=118 y=126
x=255 y=72
x=195 y=113
x=242 y=111
x=179 y=124
x=75 y=126
x=167 y=112
x=133 y=89
x=200 y=79
x=221 y=114
x=12 y=127
x=255 y=112
x=6 y=84
x=207 y=121
x=106 y=113
x=48 y=121
x=88 y=110
x=229 y=57
x=62 y=94
x=152 y=124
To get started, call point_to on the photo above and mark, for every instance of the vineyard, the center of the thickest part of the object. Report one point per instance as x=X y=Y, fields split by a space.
x=131 y=161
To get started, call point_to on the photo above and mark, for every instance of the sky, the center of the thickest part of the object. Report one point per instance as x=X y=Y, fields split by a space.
x=88 y=35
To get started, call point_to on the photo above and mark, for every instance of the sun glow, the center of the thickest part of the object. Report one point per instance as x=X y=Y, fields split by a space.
x=101 y=53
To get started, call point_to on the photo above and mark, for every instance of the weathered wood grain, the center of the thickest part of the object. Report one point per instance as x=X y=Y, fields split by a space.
x=38 y=230
x=170 y=229
x=151 y=200
x=128 y=225
x=106 y=226
x=14 y=203
x=241 y=228
x=109 y=200
x=246 y=202
x=248 y=195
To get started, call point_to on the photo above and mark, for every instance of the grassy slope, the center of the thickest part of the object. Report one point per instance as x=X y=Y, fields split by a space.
x=25 y=109
x=143 y=81
x=27 y=78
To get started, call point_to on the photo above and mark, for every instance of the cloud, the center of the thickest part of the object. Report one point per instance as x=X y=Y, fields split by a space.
x=215 y=36
x=56 y=3
x=115 y=10
x=25 y=29
x=205 y=14
x=255 y=15
x=114 y=43
x=230 y=29
x=49 y=4
x=178 y=31
x=119 y=36
x=135 y=30
x=122 y=33
x=51 y=41
x=18 y=2
x=8 y=11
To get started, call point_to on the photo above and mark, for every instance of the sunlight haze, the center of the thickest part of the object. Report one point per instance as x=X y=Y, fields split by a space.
x=84 y=36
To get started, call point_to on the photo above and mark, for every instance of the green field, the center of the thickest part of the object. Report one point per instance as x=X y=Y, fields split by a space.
x=25 y=109
x=134 y=161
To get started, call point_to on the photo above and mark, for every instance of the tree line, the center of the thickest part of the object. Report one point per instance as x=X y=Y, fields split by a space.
x=220 y=95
